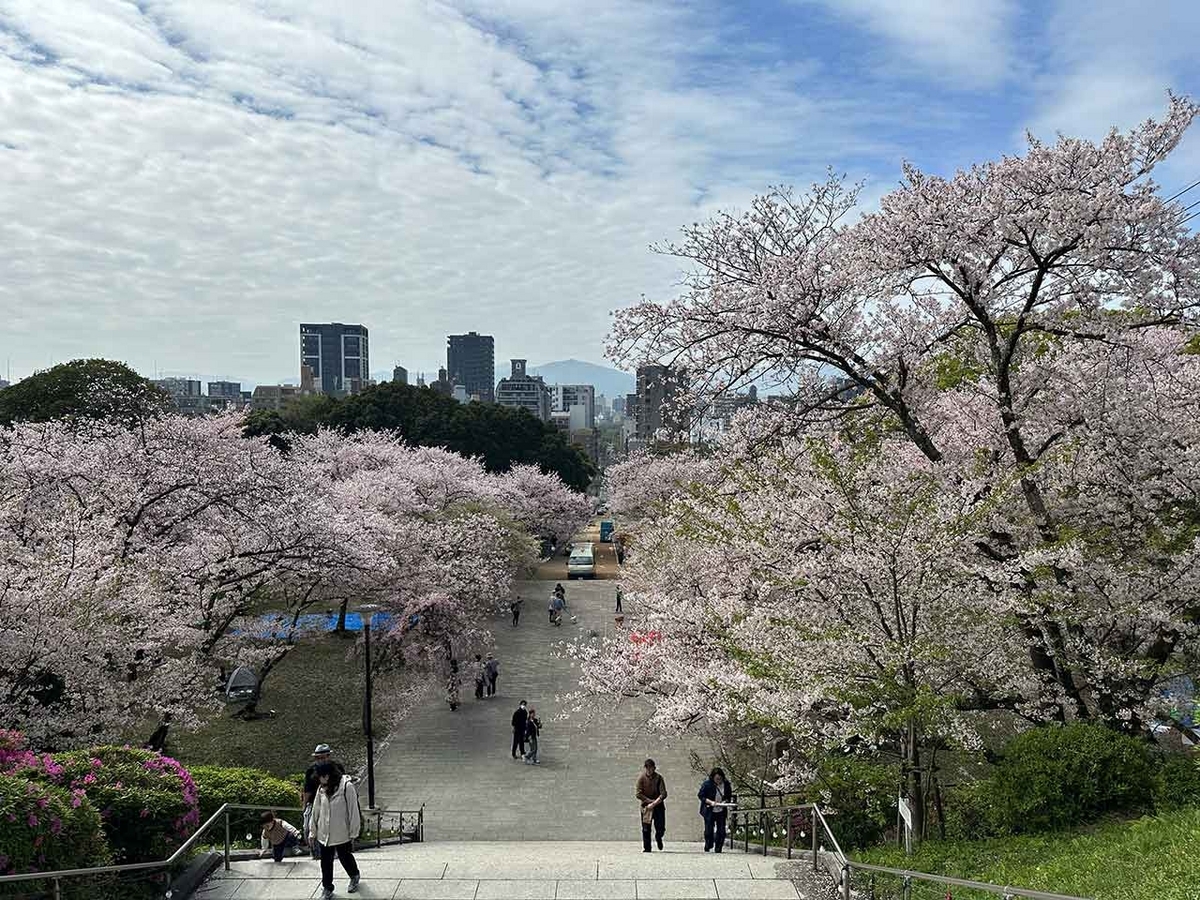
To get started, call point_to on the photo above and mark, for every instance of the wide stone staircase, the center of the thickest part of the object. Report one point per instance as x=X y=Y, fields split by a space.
x=551 y=870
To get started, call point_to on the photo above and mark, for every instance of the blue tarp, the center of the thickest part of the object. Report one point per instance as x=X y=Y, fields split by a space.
x=275 y=625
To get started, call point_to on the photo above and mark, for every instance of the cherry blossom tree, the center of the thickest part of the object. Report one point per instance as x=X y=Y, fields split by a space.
x=132 y=563
x=992 y=436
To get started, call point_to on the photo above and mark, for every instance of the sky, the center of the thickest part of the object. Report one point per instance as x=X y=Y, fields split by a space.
x=182 y=182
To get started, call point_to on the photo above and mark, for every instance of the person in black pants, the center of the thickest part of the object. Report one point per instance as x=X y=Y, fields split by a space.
x=714 y=792
x=520 y=719
x=651 y=792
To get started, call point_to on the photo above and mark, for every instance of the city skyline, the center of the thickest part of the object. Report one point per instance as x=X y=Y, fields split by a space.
x=186 y=182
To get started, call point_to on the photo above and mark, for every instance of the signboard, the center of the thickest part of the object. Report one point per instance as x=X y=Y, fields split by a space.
x=906 y=815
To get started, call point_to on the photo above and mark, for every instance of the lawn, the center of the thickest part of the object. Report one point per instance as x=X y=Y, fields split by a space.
x=316 y=692
x=1154 y=858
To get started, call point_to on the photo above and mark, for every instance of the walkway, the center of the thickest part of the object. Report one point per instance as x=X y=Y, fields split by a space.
x=459 y=764
x=547 y=871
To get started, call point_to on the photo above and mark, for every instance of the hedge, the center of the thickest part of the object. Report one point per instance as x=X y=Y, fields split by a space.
x=221 y=784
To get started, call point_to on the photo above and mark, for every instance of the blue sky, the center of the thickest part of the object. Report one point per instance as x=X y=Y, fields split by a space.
x=183 y=181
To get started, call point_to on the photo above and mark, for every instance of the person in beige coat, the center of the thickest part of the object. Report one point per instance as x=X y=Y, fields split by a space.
x=336 y=823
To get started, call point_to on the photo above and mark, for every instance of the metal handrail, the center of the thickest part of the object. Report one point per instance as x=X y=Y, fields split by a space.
x=222 y=812
x=847 y=865
x=961 y=882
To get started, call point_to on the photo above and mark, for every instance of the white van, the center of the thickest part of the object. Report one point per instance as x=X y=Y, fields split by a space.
x=582 y=562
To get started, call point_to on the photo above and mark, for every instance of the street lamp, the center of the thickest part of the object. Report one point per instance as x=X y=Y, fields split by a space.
x=365 y=611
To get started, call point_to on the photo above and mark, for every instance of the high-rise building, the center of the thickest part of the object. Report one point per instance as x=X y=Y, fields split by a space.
x=618 y=406
x=225 y=390
x=399 y=375
x=471 y=362
x=577 y=399
x=338 y=356
x=653 y=406
x=3 y=384
x=526 y=391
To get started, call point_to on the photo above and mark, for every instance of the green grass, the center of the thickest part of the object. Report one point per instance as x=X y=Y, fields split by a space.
x=1154 y=858
x=316 y=692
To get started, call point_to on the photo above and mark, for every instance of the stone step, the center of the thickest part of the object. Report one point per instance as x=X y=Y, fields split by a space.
x=525 y=870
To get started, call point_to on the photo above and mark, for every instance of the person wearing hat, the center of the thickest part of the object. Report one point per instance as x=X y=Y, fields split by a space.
x=308 y=793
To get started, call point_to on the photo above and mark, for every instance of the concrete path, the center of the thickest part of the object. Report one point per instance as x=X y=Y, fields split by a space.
x=545 y=871
x=459 y=764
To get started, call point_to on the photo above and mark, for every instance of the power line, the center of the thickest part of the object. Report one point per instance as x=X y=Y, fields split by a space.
x=1184 y=191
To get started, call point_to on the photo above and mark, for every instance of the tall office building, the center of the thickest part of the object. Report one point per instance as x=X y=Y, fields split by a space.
x=526 y=391
x=657 y=390
x=400 y=375
x=338 y=356
x=471 y=362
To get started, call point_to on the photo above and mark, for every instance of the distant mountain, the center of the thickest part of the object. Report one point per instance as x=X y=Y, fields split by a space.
x=609 y=382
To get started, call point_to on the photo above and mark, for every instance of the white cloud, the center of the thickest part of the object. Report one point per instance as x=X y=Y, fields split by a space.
x=188 y=179
x=967 y=42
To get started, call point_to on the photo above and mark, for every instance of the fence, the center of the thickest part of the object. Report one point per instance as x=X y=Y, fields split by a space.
x=795 y=825
x=159 y=868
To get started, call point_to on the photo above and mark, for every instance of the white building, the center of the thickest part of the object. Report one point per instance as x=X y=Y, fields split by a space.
x=566 y=397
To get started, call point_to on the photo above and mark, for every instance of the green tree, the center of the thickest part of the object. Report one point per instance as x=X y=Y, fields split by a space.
x=84 y=389
x=502 y=437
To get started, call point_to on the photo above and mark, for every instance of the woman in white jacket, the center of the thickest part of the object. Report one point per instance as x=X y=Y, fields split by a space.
x=337 y=822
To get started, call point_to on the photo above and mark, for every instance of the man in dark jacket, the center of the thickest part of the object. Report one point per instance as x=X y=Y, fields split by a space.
x=520 y=719
x=651 y=793
x=714 y=794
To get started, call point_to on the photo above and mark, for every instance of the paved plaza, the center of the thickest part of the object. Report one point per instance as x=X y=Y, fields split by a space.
x=524 y=871
x=459 y=765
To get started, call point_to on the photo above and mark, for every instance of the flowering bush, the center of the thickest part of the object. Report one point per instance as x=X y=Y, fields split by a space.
x=148 y=802
x=42 y=827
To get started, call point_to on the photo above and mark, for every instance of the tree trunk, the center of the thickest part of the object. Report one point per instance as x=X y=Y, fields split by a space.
x=341 y=622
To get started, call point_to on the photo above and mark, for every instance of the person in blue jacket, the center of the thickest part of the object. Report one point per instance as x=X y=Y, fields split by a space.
x=714 y=792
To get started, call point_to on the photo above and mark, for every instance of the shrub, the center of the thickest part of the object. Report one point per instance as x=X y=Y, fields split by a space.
x=147 y=801
x=861 y=795
x=971 y=813
x=219 y=784
x=1058 y=776
x=1177 y=783
x=44 y=827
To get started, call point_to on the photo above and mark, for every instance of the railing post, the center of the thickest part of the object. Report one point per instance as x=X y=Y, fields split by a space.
x=57 y=889
x=764 y=820
x=379 y=828
x=788 y=831
x=226 y=840
x=871 y=882
x=814 y=833
x=907 y=887
x=846 y=882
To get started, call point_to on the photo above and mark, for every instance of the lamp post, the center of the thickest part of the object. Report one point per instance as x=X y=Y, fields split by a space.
x=365 y=612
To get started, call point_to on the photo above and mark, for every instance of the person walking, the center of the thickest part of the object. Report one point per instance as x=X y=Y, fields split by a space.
x=520 y=719
x=338 y=822
x=308 y=794
x=619 y=597
x=557 y=604
x=480 y=677
x=491 y=671
x=533 y=727
x=515 y=606
x=651 y=793
x=714 y=793
x=453 y=683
